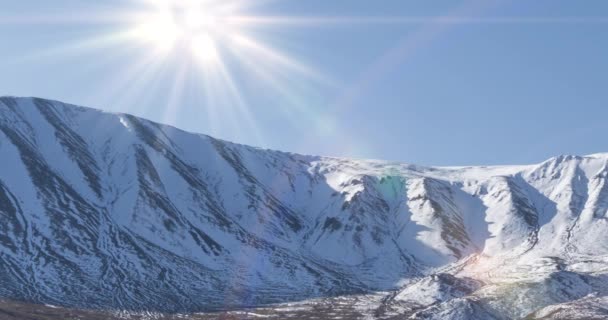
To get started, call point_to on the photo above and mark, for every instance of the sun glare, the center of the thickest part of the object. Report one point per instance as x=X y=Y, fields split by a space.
x=188 y=24
x=204 y=48
x=200 y=46
x=159 y=29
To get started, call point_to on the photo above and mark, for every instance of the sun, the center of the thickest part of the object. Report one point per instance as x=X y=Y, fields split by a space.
x=214 y=52
x=197 y=26
x=207 y=30
x=158 y=29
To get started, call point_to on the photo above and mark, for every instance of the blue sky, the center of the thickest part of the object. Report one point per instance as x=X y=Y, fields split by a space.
x=427 y=82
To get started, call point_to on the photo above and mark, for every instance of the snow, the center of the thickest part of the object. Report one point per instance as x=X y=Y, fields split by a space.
x=207 y=215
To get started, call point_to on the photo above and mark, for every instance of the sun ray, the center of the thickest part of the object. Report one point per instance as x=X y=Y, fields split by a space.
x=242 y=108
x=131 y=81
x=222 y=94
x=274 y=81
x=321 y=22
x=197 y=44
x=267 y=54
x=300 y=113
x=97 y=17
x=75 y=48
x=176 y=92
x=117 y=90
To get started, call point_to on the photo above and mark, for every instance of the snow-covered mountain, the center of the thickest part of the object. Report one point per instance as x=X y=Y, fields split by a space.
x=110 y=211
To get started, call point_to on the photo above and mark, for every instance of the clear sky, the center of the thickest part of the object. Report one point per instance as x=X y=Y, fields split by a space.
x=427 y=82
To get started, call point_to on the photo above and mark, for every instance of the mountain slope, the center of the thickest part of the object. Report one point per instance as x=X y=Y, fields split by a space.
x=110 y=211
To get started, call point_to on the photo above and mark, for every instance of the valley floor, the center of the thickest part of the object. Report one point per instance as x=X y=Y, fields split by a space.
x=346 y=308
x=343 y=308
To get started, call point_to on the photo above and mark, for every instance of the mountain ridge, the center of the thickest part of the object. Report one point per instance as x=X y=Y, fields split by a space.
x=116 y=113
x=110 y=211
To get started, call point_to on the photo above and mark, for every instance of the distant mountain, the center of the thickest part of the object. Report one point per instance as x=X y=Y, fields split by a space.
x=110 y=211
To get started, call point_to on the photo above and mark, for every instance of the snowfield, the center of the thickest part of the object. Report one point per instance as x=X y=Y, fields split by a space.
x=106 y=211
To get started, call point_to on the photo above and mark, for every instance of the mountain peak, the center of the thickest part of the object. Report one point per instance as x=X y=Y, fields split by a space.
x=111 y=211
